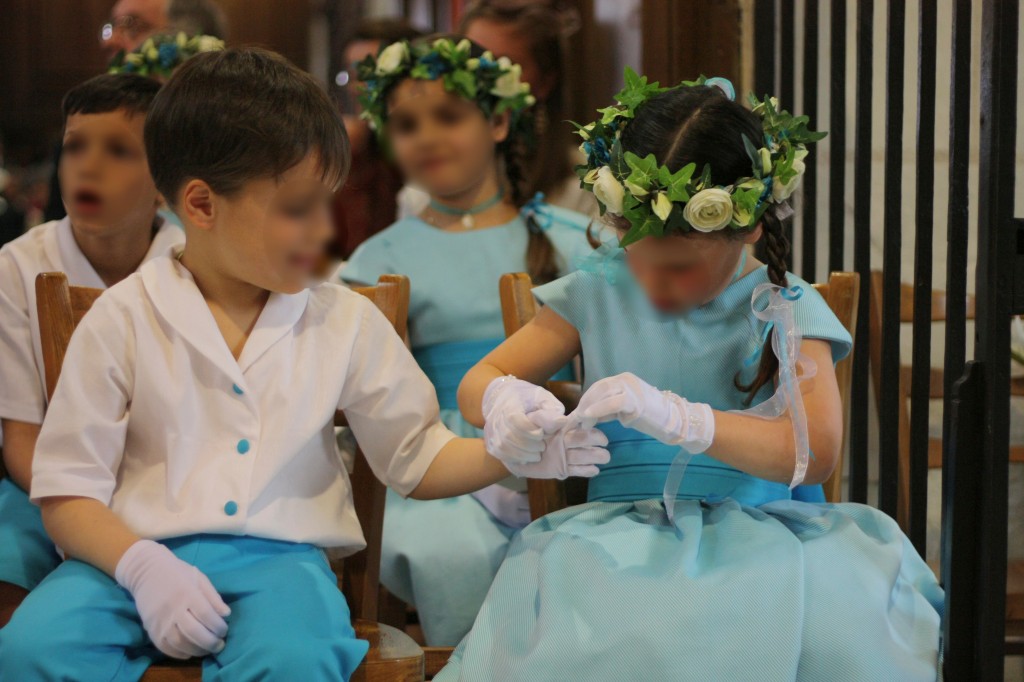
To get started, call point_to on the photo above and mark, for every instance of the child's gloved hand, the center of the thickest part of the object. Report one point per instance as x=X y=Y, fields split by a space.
x=574 y=450
x=180 y=609
x=518 y=419
x=659 y=414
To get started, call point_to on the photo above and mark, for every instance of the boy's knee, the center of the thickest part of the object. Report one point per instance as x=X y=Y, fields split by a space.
x=315 y=658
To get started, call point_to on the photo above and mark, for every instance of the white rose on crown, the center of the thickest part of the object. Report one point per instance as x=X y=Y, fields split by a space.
x=209 y=44
x=508 y=84
x=609 y=190
x=780 y=191
x=709 y=210
x=392 y=58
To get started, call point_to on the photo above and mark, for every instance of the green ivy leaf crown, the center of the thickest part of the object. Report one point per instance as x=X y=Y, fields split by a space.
x=657 y=201
x=494 y=84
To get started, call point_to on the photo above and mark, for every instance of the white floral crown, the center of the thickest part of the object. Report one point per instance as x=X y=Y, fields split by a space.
x=494 y=84
x=658 y=201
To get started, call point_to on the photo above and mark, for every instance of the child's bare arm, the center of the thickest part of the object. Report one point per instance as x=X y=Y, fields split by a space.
x=87 y=530
x=462 y=466
x=534 y=353
x=765 y=448
x=19 y=443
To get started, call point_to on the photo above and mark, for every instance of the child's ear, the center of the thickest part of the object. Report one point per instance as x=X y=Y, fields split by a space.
x=500 y=125
x=197 y=204
x=754 y=235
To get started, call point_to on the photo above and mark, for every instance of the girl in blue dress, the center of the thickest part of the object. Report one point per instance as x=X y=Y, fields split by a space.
x=693 y=354
x=457 y=120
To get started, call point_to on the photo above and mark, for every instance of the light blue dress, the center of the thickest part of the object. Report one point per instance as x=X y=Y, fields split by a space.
x=745 y=582
x=441 y=555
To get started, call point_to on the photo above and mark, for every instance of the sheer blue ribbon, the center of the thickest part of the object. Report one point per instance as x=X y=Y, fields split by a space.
x=539 y=210
x=793 y=368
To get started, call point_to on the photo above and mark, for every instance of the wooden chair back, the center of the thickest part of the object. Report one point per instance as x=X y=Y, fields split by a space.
x=361 y=574
x=393 y=656
x=519 y=307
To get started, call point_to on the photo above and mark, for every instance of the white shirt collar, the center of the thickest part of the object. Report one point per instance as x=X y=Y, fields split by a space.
x=178 y=300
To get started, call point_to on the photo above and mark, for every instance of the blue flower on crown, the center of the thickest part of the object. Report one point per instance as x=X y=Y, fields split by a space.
x=435 y=63
x=168 y=55
x=597 y=152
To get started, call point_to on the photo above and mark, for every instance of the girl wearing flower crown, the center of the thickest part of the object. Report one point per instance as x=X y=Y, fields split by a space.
x=457 y=122
x=692 y=560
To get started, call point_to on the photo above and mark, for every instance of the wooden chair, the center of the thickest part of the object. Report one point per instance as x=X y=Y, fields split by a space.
x=393 y=655
x=518 y=308
x=1015 y=571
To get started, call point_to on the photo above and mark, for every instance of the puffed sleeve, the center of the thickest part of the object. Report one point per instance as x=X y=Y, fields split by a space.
x=815 y=320
x=82 y=441
x=21 y=392
x=391 y=405
x=370 y=260
x=568 y=296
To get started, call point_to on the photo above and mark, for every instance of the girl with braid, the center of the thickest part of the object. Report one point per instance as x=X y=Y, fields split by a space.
x=712 y=376
x=458 y=122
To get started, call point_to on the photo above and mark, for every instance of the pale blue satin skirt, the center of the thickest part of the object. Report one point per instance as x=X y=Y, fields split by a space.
x=784 y=591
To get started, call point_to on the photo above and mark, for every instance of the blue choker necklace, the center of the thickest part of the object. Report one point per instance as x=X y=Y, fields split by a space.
x=466 y=215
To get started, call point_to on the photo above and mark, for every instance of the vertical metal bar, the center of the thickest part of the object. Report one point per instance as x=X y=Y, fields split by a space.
x=837 y=139
x=764 y=66
x=809 y=194
x=957 y=495
x=862 y=249
x=924 y=219
x=960 y=490
x=787 y=82
x=994 y=285
x=764 y=48
x=957 y=210
x=888 y=410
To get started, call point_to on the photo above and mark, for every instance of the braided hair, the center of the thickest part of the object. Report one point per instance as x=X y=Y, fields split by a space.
x=701 y=125
x=541 y=257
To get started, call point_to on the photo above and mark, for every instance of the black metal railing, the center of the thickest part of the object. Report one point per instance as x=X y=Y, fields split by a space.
x=977 y=393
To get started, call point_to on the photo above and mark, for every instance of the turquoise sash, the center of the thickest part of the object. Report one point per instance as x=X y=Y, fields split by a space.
x=446 y=363
x=640 y=465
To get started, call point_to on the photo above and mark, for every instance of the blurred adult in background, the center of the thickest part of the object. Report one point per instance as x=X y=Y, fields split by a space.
x=131 y=23
x=366 y=204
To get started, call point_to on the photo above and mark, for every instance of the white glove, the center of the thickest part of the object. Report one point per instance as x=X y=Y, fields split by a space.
x=180 y=609
x=662 y=415
x=518 y=419
x=574 y=450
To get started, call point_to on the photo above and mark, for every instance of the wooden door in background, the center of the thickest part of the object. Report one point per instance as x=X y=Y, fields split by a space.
x=279 y=25
x=685 y=38
x=45 y=48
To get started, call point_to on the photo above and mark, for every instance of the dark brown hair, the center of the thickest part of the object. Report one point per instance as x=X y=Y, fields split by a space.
x=700 y=125
x=127 y=92
x=237 y=115
x=546 y=27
